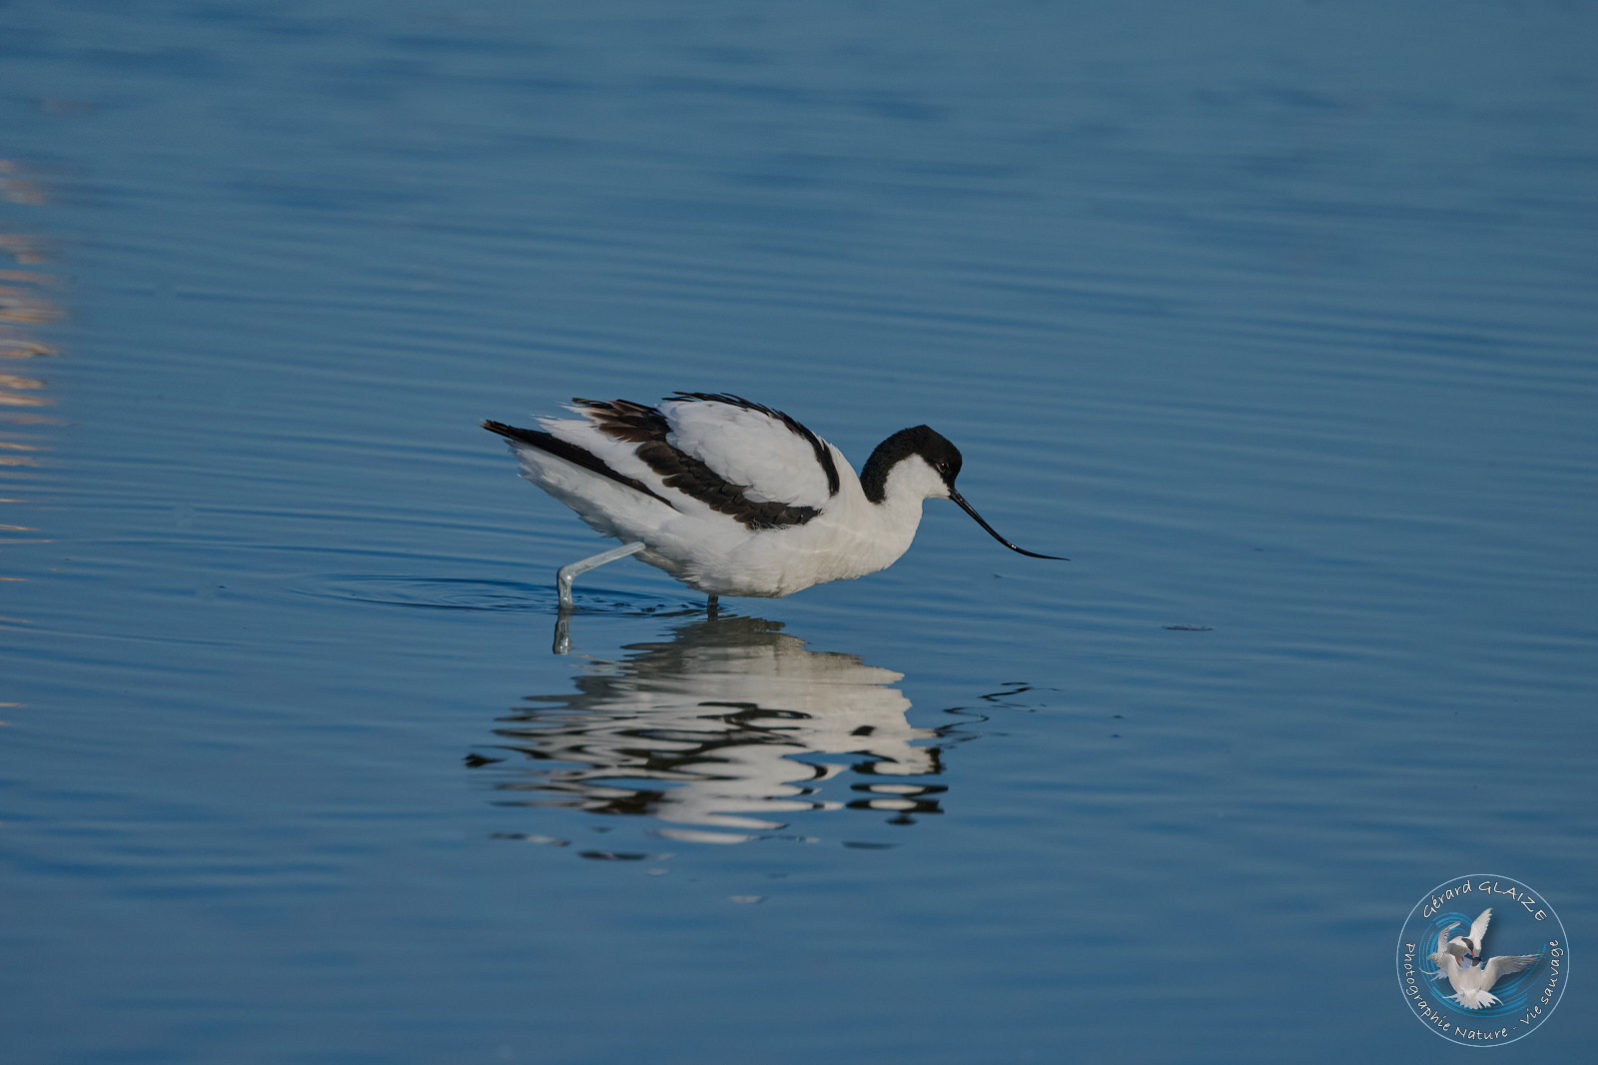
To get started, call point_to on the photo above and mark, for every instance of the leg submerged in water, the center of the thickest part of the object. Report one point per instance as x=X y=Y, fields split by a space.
x=566 y=574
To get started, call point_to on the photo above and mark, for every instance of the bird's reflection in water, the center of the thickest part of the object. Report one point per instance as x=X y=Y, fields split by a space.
x=723 y=733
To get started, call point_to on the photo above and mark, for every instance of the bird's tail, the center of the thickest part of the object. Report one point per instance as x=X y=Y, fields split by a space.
x=1474 y=999
x=540 y=441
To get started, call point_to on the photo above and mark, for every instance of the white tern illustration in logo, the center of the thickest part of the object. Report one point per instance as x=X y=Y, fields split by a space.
x=1468 y=948
x=1460 y=960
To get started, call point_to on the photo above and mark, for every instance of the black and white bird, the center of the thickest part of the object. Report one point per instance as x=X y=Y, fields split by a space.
x=732 y=497
x=1473 y=984
x=1468 y=948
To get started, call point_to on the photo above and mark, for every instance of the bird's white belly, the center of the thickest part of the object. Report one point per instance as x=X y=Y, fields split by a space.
x=733 y=560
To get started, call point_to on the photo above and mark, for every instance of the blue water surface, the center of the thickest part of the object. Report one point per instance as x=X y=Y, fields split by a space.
x=1277 y=318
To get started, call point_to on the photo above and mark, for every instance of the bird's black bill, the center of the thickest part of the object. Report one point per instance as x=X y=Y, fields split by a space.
x=969 y=509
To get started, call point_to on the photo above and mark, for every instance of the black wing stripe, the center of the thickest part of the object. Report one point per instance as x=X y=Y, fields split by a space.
x=823 y=453
x=648 y=428
x=571 y=453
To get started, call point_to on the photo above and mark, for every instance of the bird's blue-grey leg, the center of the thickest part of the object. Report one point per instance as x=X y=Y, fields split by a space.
x=711 y=602
x=564 y=578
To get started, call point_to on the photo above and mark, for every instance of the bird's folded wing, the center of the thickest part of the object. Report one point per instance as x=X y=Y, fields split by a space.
x=771 y=456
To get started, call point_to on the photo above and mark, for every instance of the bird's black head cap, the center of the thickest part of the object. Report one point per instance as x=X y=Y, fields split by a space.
x=921 y=440
x=943 y=457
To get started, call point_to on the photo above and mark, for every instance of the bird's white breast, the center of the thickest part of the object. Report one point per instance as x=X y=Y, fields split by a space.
x=850 y=538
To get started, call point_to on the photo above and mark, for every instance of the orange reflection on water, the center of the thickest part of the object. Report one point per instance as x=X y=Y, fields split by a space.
x=18 y=189
x=25 y=310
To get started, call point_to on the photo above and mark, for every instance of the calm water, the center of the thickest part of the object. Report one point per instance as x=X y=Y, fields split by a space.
x=1278 y=319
